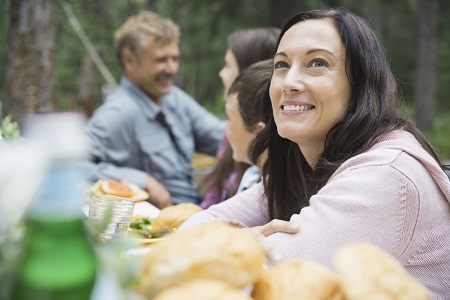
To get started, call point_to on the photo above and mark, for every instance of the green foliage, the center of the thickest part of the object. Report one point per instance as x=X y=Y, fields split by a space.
x=204 y=32
x=440 y=137
x=205 y=26
x=9 y=130
x=71 y=51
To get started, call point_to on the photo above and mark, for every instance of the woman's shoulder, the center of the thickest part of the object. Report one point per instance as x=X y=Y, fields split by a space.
x=393 y=162
x=372 y=158
x=397 y=148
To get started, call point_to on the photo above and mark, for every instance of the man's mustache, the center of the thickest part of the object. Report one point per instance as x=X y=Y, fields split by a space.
x=166 y=76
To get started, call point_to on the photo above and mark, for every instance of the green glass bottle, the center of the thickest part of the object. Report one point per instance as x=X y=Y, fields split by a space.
x=58 y=261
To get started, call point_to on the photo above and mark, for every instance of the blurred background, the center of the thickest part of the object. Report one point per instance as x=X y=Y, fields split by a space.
x=58 y=54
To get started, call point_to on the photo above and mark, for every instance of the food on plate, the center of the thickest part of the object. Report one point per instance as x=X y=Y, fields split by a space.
x=210 y=251
x=203 y=289
x=298 y=280
x=141 y=227
x=367 y=272
x=119 y=189
x=173 y=216
x=140 y=222
x=116 y=188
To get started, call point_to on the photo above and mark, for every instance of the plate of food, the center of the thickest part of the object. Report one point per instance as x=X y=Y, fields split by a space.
x=146 y=230
x=142 y=232
x=120 y=189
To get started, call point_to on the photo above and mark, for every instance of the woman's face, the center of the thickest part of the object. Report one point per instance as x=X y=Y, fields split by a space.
x=229 y=71
x=237 y=133
x=309 y=88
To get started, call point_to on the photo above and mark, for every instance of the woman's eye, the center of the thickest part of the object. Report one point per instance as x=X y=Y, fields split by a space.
x=319 y=63
x=281 y=65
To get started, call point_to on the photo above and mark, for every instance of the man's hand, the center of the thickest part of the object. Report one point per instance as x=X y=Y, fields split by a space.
x=159 y=195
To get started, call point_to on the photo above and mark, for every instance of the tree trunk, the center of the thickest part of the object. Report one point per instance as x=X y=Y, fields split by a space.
x=282 y=10
x=29 y=84
x=86 y=88
x=425 y=88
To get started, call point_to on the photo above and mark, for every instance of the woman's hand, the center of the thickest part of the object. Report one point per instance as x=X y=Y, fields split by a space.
x=262 y=232
x=277 y=225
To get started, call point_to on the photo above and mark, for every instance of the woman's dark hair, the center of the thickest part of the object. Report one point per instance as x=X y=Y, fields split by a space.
x=289 y=181
x=253 y=45
x=248 y=46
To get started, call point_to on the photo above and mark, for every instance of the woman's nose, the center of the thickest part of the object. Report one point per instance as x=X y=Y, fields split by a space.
x=293 y=82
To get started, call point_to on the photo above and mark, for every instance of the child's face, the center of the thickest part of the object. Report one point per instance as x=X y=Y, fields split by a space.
x=238 y=135
x=230 y=70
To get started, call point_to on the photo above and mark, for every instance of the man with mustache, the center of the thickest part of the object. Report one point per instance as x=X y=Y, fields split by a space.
x=147 y=130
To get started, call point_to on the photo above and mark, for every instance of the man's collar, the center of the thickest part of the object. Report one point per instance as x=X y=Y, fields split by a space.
x=151 y=109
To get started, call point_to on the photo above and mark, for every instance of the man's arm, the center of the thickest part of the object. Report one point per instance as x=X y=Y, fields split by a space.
x=208 y=129
x=110 y=150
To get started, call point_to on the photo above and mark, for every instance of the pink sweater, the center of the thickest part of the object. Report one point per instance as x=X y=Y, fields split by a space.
x=394 y=196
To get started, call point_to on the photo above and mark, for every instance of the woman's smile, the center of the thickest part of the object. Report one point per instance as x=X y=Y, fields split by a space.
x=296 y=107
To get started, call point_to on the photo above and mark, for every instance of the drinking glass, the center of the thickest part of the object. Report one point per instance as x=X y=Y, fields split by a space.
x=110 y=216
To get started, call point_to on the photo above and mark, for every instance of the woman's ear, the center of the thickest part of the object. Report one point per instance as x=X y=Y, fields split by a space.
x=259 y=127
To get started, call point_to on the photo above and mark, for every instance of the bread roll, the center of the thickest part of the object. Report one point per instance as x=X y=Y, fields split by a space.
x=174 y=216
x=210 y=251
x=369 y=273
x=298 y=280
x=202 y=290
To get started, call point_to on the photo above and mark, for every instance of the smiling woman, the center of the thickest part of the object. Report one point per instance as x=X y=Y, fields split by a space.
x=309 y=88
x=343 y=165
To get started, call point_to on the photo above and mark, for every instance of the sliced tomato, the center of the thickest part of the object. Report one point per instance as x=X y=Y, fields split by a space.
x=117 y=188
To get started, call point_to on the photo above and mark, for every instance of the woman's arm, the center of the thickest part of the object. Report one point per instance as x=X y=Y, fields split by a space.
x=248 y=208
x=377 y=204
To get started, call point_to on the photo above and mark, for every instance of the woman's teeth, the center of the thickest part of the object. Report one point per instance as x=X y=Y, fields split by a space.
x=297 y=107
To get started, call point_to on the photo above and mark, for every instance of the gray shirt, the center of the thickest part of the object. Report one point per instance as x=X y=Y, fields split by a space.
x=129 y=139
